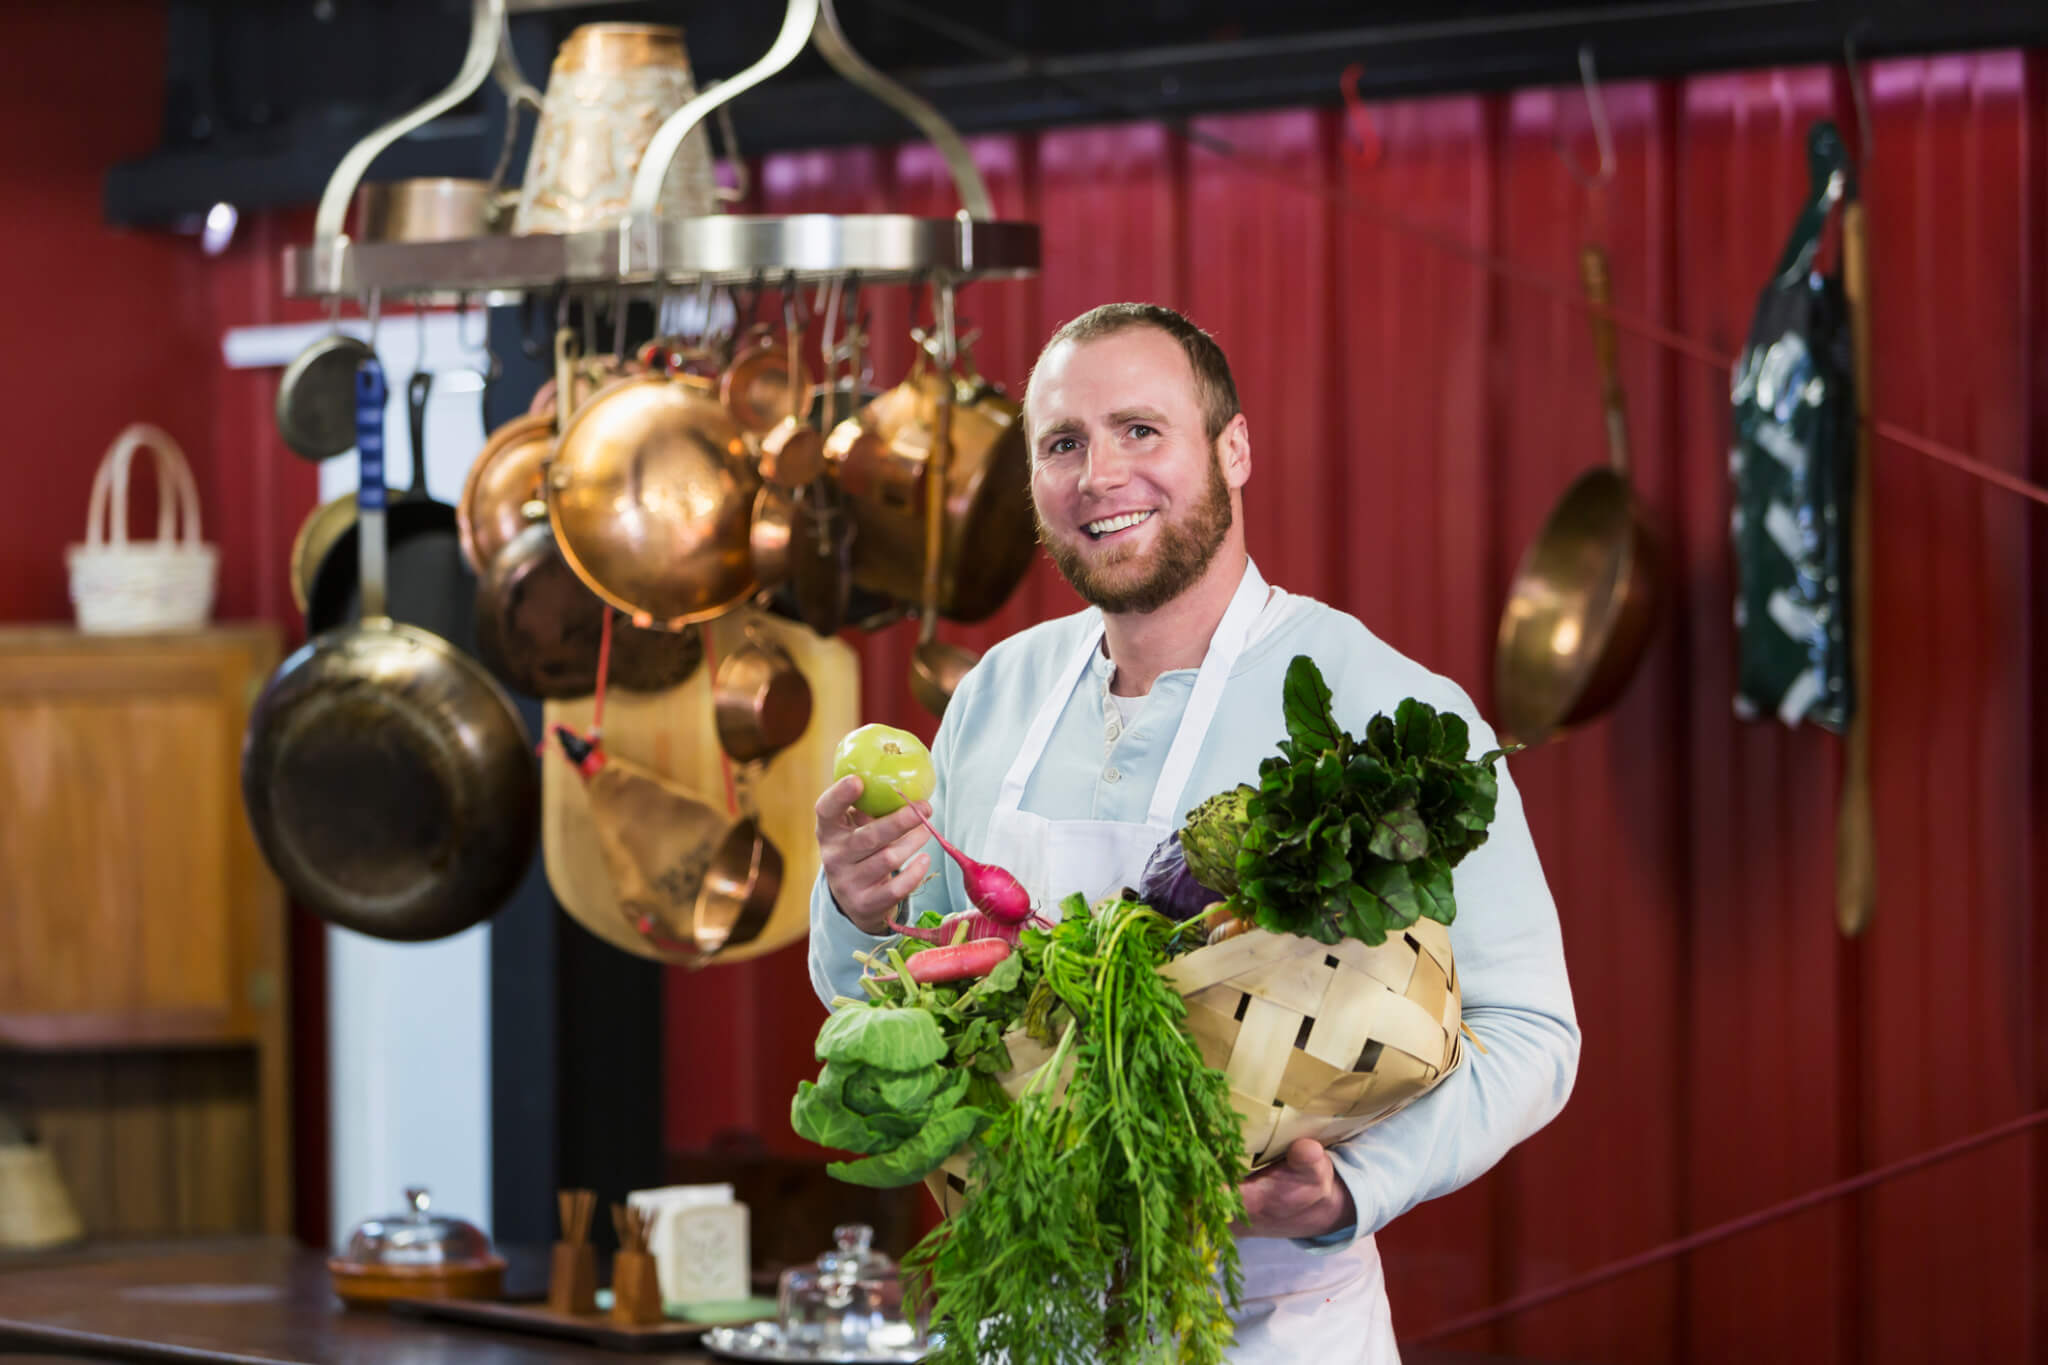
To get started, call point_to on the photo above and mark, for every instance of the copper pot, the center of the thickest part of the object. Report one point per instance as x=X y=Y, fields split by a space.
x=503 y=493
x=650 y=496
x=878 y=458
x=762 y=701
x=430 y=209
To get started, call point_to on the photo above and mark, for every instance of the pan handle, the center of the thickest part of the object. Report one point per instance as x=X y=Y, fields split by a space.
x=416 y=391
x=370 y=495
x=1593 y=268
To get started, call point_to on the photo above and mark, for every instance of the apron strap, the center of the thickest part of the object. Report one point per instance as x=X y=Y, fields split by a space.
x=1011 y=796
x=1224 y=648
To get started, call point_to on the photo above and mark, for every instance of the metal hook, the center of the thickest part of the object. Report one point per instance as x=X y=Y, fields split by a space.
x=743 y=182
x=1603 y=135
x=1857 y=93
x=463 y=312
x=1363 y=148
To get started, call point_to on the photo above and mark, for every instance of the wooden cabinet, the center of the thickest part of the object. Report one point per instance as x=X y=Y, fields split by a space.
x=142 y=939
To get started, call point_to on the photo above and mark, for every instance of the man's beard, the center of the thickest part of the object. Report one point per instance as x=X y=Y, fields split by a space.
x=1182 y=552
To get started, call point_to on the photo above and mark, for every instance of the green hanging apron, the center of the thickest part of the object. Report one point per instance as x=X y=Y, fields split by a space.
x=1793 y=467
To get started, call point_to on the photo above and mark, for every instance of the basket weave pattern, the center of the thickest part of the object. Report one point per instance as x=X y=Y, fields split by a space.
x=1319 y=1041
x=122 y=587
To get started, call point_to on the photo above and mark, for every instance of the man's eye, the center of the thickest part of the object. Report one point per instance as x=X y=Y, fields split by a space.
x=1061 y=446
x=1140 y=429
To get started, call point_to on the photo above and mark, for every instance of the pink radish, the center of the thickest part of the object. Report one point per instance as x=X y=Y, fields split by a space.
x=993 y=891
x=959 y=962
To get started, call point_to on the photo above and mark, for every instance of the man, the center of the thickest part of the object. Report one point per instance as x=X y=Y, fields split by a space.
x=1074 y=747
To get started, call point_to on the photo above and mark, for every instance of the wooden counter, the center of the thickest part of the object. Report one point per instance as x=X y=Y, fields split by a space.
x=260 y=1301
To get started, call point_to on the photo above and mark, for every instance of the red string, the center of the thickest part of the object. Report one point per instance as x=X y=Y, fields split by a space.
x=1522 y=1303
x=604 y=668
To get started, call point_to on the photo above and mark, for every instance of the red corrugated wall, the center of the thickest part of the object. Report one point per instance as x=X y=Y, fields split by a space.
x=1413 y=418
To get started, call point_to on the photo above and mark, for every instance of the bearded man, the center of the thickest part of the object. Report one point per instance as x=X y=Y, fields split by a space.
x=1074 y=747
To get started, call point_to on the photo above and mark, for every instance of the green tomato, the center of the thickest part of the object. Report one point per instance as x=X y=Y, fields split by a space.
x=893 y=766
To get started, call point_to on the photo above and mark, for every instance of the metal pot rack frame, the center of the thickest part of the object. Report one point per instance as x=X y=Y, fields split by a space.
x=650 y=251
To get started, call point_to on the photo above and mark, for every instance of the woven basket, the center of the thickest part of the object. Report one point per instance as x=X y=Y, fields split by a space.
x=1318 y=1041
x=35 y=1208
x=119 y=587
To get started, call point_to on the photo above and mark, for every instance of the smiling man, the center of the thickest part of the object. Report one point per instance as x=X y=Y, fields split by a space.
x=1072 y=749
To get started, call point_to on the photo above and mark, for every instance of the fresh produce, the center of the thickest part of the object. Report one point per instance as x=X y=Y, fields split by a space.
x=1003 y=903
x=883 y=1094
x=1351 y=838
x=893 y=765
x=1169 y=887
x=1212 y=836
x=1098 y=1217
x=958 y=961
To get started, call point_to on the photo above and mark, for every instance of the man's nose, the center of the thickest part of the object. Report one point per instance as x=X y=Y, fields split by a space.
x=1107 y=468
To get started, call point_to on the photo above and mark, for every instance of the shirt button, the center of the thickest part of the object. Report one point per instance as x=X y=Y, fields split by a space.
x=1114 y=730
x=1111 y=775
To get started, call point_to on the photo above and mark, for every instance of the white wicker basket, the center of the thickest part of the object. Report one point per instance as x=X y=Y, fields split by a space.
x=121 y=587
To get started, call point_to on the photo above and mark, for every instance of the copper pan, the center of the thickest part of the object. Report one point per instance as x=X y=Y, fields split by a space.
x=540 y=629
x=503 y=493
x=650 y=496
x=755 y=387
x=740 y=889
x=878 y=458
x=1583 y=603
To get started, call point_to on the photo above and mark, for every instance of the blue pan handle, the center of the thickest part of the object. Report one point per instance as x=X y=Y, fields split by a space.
x=370 y=493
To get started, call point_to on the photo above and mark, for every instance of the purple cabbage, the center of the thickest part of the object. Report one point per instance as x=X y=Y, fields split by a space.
x=1169 y=887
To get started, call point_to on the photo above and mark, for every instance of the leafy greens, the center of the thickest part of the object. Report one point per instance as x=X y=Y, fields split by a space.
x=1356 y=838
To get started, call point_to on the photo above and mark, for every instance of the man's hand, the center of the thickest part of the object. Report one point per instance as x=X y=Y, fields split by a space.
x=1298 y=1197
x=864 y=859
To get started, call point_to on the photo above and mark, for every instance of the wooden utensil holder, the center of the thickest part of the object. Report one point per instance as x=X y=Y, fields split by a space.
x=636 y=1289
x=572 y=1278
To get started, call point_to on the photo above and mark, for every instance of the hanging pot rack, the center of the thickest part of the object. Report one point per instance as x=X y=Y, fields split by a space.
x=646 y=249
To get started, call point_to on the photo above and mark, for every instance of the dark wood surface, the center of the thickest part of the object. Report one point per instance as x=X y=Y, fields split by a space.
x=258 y=1301
x=255 y=1301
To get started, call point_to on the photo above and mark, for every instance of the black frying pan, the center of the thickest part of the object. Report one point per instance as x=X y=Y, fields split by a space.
x=431 y=585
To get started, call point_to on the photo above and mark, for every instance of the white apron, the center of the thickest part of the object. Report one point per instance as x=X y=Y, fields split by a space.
x=1330 y=1309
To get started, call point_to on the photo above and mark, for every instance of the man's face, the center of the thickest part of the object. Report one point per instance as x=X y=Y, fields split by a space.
x=1133 y=500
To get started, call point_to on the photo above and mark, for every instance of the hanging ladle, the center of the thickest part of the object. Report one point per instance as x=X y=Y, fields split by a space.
x=936 y=667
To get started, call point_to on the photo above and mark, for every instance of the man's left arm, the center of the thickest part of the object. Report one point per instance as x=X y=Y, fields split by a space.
x=1517 y=1001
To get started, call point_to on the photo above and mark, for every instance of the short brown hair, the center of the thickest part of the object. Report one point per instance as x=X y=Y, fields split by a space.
x=1213 y=384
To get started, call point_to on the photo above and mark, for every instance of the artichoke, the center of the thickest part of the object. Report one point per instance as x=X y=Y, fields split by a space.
x=1210 y=839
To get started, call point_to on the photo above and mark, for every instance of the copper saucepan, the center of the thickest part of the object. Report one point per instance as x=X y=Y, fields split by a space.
x=740 y=888
x=879 y=458
x=650 y=496
x=761 y=699
x=1583 y=603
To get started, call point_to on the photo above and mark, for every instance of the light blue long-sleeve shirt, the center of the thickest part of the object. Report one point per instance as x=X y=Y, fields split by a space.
x=1506 y=939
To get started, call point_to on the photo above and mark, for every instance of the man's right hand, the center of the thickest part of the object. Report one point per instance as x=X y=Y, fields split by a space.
x=868 y=862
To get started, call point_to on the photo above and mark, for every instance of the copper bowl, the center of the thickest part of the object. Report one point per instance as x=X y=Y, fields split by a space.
x=650 y=496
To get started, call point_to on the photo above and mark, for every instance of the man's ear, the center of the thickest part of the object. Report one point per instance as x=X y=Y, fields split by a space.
x=1234 y=445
